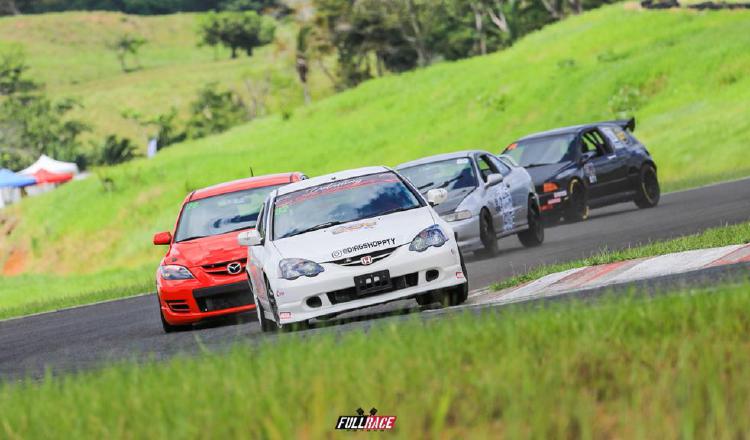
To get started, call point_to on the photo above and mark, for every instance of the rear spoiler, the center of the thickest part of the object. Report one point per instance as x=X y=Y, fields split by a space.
x=625 y=124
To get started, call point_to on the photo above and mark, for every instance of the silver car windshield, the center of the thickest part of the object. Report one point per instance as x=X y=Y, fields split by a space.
x=450 y=174
x=341 y=201
x=543 y=151
x=221 y=214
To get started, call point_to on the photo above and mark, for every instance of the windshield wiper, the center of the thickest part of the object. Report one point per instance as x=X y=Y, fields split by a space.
x=448 y=182
x=318 y=227
x=239 y=229
x=532 y=165
x=426 y=185
x=192 y=238
x=395 y=210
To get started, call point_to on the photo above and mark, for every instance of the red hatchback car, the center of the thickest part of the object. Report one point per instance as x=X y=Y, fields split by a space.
x=203 y=273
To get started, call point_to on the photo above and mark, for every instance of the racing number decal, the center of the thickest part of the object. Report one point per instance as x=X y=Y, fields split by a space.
x=504 y=205
x=590 y=172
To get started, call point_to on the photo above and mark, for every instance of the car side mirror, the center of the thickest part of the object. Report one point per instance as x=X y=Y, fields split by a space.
x=437 y=196
x=494 y=179
x=249 y=238
x=162 y=238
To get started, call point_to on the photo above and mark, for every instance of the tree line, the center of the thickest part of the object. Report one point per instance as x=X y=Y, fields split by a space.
x=371 y=37
x=142 y=7
x=32 y=124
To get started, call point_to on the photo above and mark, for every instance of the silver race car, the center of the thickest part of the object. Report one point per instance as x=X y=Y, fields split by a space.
x=489 y=197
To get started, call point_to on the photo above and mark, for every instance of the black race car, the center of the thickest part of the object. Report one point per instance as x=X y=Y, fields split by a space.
x=587 y=166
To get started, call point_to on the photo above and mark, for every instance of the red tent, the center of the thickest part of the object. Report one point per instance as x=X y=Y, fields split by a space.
x=44 y=176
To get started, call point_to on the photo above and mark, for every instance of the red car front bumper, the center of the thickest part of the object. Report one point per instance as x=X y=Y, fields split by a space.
x=189 y=301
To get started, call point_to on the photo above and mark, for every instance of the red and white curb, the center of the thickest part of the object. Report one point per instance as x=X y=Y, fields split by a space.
x=605 y=275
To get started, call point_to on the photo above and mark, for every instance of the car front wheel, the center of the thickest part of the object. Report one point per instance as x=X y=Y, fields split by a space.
x=487 y=234
x=578 y=205
x=534 y=236
x=169 y=328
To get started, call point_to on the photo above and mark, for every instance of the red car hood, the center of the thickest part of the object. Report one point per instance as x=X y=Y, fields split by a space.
x=208 y=250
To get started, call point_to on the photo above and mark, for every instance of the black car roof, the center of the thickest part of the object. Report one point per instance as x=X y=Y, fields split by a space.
x=628 y=124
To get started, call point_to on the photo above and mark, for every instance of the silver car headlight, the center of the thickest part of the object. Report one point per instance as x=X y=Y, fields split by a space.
x=432 y=236
x=174 y=272
x=457 y=216
x=293 y=268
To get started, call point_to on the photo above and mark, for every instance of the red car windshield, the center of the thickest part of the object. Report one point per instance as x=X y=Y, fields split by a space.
x=341 y=201
x=221 y=214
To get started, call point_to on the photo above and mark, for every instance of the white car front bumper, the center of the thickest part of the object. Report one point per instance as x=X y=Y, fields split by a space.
x=336 y=292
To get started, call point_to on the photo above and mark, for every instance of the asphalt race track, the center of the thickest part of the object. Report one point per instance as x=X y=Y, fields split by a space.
x=91 y=336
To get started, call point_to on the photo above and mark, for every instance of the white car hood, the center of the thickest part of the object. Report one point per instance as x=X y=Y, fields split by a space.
x=357 y=238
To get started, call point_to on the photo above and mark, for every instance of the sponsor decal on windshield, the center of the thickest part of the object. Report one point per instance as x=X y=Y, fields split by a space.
x=333 y=187
x=362 y=246
x=354 y=227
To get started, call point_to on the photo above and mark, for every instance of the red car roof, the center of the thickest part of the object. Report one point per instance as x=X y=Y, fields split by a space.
x=247 y=183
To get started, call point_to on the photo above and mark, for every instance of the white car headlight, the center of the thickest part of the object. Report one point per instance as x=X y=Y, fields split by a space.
x=293 y=268
x=174 y=272
x=432 y=236
x=456 y=216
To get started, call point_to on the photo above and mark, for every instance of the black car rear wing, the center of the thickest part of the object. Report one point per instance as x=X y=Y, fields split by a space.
x=625 y=124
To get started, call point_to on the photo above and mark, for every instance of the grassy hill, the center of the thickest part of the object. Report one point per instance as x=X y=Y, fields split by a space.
x=69 y=52
x=685 y=75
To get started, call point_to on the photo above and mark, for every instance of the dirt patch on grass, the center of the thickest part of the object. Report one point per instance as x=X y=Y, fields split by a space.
x=15 y=262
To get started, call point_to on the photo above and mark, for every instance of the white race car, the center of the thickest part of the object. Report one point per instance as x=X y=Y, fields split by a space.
x=350 y=240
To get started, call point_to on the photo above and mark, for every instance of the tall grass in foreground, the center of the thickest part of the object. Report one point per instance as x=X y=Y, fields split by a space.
x=667 y=367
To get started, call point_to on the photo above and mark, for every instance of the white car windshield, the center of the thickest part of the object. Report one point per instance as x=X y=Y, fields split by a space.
x=450 y=174
x=543 y=151
x=221 y=214
x=341 y=201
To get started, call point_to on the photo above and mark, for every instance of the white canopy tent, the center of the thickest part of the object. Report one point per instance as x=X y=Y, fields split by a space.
x=54 y=166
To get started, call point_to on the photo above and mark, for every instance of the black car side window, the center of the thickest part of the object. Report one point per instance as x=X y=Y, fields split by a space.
x=593 y=141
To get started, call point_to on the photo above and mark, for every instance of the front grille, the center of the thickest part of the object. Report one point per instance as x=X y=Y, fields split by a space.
x=357 y=261
x=223 y=297
x=350 y=294
x=221 y=268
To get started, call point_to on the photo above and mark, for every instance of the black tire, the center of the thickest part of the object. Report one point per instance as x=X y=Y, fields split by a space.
x=578 y=202
x=169 y=328
x=449 y=297
x=429 y=298
x=459 y=294
x=648 y=191
x=487 y=234
x=266 y=325
x=277 y=326
x=534 y=236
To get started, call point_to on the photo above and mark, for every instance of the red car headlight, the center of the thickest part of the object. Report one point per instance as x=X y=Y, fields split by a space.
x=174 y=272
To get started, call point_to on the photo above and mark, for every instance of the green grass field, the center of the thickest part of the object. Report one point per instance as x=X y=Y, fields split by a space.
x=69 y=52
x=667 y=367
x=686 y=74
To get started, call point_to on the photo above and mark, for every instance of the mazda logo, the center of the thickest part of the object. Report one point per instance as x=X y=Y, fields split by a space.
x=366 y=260
x=234 y=268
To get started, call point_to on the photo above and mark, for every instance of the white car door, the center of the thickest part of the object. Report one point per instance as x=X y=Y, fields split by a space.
x=498 y=196
x=516 y=182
